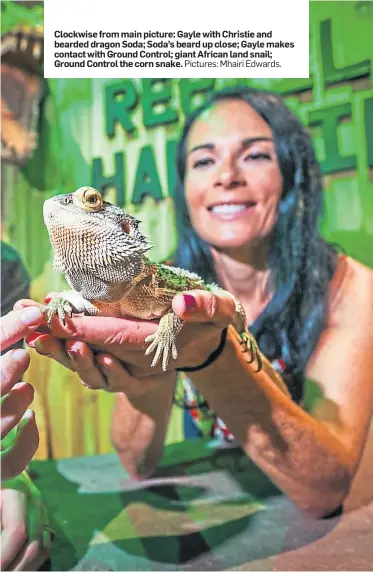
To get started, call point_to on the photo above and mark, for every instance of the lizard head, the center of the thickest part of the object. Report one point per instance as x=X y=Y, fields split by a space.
x=87 y=231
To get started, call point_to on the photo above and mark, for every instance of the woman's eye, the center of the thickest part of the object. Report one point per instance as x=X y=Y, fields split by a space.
x=202 y=162
x=257 y=156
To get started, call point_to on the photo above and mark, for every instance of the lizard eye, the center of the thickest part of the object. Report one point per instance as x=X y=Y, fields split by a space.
x=91 y=200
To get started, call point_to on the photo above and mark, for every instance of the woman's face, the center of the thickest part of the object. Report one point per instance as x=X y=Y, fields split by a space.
x=232 y=180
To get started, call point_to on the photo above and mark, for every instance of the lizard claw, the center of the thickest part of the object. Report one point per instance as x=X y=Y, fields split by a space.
x=58 y=306
x=163 y=341
x=162 y=346
x=249 y=345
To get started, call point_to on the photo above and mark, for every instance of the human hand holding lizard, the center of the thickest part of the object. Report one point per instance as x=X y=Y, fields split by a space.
x=108 y=353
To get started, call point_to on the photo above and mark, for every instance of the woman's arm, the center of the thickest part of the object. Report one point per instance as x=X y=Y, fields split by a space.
x=311 y=456
x=300 y=455
x=139 y=426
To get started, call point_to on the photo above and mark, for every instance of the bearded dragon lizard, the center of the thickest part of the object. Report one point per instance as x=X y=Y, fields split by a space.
x=102 y=254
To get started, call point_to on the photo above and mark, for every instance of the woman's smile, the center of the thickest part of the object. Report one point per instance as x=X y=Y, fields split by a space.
x=228 y=211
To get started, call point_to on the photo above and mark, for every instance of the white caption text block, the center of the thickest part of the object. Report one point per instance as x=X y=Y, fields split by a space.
x=266 y=39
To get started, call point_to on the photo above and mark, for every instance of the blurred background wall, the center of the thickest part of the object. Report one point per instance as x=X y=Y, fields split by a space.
x=120 y=136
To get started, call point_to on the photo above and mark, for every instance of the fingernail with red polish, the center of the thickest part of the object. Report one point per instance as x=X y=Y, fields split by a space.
x=47 y=299
x=31 y=339
x=190 y=302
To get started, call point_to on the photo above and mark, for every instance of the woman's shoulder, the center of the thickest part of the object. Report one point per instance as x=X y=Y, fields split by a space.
x=351 y=291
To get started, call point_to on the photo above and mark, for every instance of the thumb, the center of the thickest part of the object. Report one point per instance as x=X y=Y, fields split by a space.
x=17 y=323
x=216 y=308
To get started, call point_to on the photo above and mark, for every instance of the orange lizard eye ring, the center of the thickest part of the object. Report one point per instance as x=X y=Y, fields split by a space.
x=90 y=199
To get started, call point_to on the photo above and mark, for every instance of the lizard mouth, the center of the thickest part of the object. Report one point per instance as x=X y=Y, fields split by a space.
x=22 y=87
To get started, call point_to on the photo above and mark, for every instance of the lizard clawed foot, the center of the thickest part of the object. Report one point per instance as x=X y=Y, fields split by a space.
x=58 y=306
x=163 y=341
x=248 y=344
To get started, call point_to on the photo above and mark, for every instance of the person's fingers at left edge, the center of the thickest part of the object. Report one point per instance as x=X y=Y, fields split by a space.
x=26 y=302
x=13 y=526
x=18 y=455
x=42 y=328
x=13 y=365
x=31 y=557
x=14 y=405
x=16 y=324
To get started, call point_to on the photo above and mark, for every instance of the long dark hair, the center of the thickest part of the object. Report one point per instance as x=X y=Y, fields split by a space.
x=301 y=262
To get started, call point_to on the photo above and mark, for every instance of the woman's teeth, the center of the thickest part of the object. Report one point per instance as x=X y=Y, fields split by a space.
x=228 y=209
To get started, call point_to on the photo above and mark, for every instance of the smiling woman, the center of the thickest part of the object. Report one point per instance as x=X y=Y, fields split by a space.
x=249 y=190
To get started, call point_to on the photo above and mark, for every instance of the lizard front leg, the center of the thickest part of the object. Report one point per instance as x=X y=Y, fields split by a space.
x=67 y=302
x=163 y=341
x=249 y=345
x=247 y=341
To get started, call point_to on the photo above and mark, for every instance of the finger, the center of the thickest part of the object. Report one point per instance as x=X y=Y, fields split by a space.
x=26 y=302
x=14 y=406
x=95 y=331
x=13 y=524
x=13 y=366
x=50 y=346
x=83 y=359
x=15 y=458
x=16 y=324
x=217 y=308
x=30 y=339
x=118 y=379
x=42 y=327
x=103 y=331
x=31 y=557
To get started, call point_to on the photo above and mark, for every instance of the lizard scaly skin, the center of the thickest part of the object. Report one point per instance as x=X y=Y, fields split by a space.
x=102 y=254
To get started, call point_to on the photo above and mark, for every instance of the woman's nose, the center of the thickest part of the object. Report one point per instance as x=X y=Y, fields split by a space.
x=229 y=176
